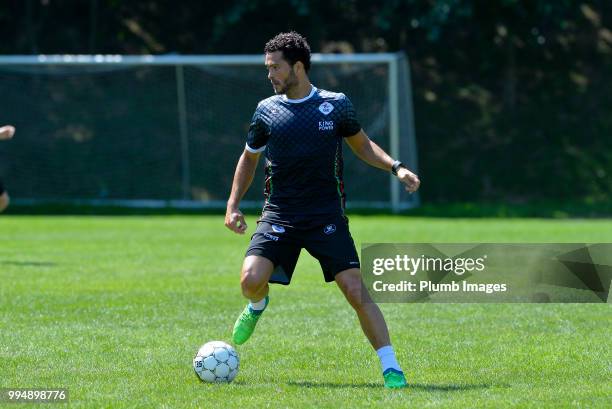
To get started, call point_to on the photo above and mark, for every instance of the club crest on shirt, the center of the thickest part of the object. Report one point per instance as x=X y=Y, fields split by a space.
x=326 y=108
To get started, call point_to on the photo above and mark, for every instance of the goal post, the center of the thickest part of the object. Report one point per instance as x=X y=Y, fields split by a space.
x=166 y=131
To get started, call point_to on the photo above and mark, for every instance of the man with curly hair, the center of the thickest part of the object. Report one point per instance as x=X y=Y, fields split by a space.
x=6 y=132
x=300 y=130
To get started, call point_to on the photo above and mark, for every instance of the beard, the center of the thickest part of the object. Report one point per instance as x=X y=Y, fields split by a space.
x=283 y=87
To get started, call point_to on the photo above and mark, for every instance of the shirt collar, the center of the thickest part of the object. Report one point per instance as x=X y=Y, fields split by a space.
x=297 y=101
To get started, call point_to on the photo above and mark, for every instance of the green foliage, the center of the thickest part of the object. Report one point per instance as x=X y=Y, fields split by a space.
x=511 y=97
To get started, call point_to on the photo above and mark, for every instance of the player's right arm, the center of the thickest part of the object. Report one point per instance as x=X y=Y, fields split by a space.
x=243 y=177
x=7 y=132
x=245 y=171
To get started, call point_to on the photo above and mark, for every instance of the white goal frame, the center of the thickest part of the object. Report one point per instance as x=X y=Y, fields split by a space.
x=179 y=61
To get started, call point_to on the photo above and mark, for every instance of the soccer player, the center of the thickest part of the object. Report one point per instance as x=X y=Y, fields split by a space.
x=300 y=130
x=6 y=132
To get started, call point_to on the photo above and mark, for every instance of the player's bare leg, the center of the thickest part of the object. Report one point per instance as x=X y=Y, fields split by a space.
x=371 y=319
x=373 y=325
x=256 y=272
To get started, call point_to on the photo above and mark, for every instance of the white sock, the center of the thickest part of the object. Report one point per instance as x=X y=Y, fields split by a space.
x=258 y=305
x=387 y=358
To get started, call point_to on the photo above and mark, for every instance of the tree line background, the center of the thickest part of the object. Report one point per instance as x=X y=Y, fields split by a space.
x=513 y=99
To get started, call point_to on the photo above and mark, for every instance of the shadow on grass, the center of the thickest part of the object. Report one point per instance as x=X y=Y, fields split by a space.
x=411 y=386
x=27 y=263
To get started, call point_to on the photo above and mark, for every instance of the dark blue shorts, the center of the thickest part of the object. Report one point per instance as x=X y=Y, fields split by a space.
x=330 y=243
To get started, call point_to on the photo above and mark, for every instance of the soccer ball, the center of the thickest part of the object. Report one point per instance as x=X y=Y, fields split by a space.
x=216 y=361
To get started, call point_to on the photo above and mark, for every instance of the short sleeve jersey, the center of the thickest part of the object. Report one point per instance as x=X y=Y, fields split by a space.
x=302 y=143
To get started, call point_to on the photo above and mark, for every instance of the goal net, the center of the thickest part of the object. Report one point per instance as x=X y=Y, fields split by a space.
x=159 y=131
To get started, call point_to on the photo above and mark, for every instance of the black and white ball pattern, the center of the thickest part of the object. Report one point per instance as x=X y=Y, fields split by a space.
x=216 y=361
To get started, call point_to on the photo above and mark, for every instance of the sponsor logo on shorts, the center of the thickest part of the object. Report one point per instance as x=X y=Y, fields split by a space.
x=329 y=229
x=271 y=237
x=278 y=229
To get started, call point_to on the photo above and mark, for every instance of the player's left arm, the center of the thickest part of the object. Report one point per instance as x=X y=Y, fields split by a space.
x=372 y=154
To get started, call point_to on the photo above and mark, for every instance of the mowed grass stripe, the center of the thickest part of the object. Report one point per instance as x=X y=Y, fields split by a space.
x=114 y=308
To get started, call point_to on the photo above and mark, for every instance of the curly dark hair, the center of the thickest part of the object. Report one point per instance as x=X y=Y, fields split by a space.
x=294 y=48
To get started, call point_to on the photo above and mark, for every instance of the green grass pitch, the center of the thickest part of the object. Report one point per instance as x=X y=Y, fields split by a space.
x=114 y=308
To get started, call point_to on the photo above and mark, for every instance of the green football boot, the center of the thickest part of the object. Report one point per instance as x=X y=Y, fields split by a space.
x=394 y=379
x=245 y=324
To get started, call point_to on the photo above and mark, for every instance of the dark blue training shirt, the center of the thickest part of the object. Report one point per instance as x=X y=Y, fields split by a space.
x=302 y=141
